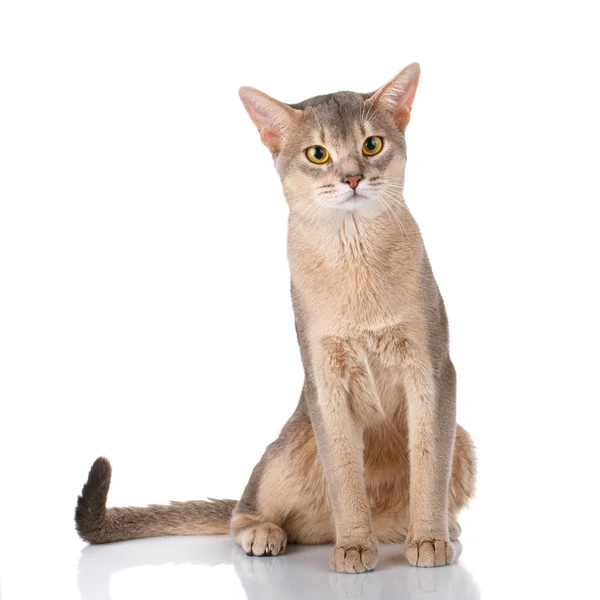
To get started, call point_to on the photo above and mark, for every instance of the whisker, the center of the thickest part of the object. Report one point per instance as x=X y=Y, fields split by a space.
x=391 y=198
x=391 y=214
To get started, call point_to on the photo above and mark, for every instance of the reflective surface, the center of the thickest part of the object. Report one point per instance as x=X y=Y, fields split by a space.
x=202 y=567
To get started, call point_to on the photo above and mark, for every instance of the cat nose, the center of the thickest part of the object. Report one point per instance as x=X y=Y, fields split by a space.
x=353 y=180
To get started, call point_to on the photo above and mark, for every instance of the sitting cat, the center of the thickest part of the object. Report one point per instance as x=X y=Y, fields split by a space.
x=372 y=452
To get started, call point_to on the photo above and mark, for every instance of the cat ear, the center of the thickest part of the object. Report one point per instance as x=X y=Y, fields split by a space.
x=396 y=97
x=271 y=117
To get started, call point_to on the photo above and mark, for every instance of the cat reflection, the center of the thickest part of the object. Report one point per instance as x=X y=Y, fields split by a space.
x=300 y=574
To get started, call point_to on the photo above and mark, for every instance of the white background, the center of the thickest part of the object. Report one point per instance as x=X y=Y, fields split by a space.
x=144 y=289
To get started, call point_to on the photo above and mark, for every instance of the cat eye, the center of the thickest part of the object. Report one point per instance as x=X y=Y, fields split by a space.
x=372 y=145
x=317 y=154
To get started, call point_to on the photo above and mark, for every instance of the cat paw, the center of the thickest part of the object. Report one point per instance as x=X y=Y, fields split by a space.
x=265 y=539
x=354 y=558
x=429 y=552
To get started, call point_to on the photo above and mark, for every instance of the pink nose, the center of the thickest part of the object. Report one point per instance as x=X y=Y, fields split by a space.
x=353 y=180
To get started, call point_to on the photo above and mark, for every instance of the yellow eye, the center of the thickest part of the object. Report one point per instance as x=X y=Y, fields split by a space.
x=317 y=154
x=372 y=145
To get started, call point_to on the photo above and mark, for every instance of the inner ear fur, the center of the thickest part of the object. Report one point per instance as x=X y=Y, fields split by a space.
x=271 y=117
x=397 y=96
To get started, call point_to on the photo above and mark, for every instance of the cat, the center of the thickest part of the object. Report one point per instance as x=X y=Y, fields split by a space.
x=372 y=452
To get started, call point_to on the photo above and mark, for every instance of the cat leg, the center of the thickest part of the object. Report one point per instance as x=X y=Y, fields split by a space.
x=432 y=430
x=344 y=398
x=462 y=483
x=256 y=534
x=454 y=529
x=286 y=497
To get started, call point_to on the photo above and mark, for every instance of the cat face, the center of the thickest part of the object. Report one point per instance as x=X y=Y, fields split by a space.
x=342 y=152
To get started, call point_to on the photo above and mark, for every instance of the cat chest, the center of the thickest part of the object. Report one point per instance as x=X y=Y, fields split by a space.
x=353 y=296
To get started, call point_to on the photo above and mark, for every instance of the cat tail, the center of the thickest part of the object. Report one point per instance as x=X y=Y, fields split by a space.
x=97 y=524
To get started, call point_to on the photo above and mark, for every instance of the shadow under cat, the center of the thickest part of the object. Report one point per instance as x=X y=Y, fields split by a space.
x=299 y=574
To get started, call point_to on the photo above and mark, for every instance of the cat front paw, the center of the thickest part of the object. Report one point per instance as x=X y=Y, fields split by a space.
x=429 y=552
x=355 y=557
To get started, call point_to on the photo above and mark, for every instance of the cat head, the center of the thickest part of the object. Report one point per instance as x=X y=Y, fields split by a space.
x=342 y=152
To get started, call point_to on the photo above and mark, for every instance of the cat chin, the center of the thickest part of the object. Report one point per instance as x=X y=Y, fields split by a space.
x=353 y=203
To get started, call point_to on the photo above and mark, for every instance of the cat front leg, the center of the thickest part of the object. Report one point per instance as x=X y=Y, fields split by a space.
x=431 y=396
x=345 y=397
